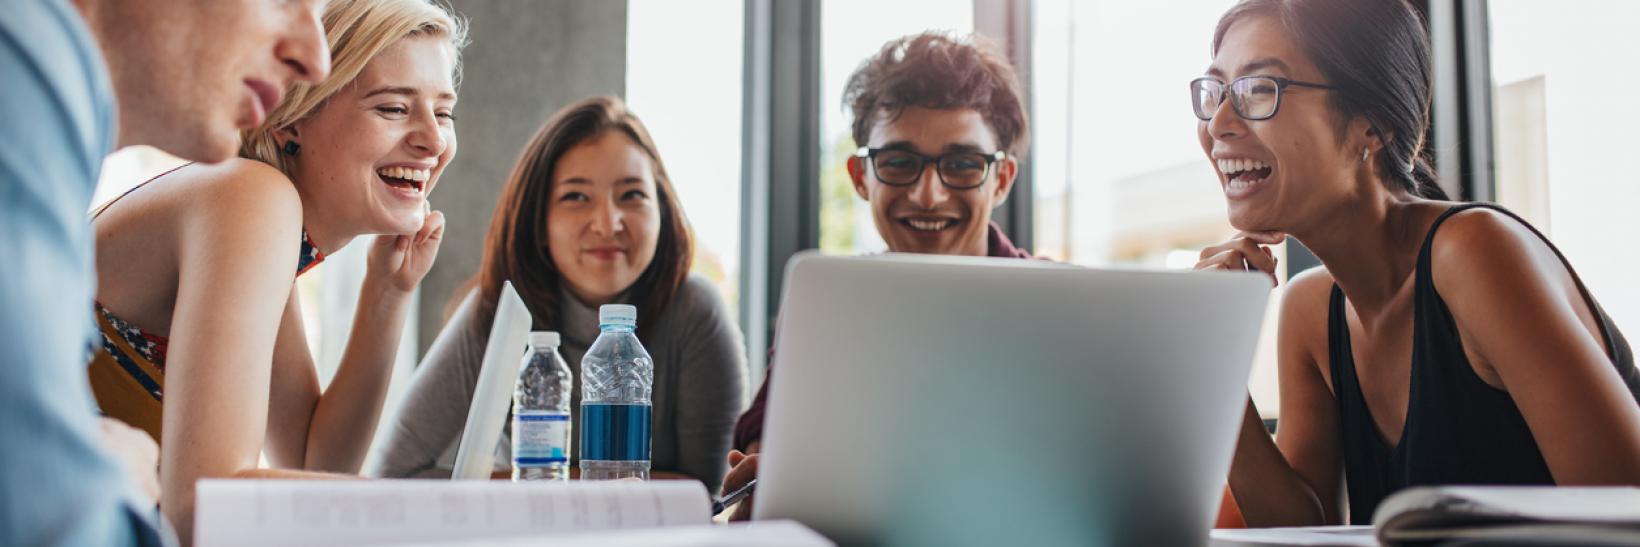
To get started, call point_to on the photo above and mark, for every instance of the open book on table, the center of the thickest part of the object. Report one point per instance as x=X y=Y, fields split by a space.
x=1473 y=515
x=1535 y=515
x=255 y=513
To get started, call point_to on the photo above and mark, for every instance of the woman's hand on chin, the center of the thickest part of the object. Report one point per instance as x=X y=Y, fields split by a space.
x=402 y=260
x=1245 y=252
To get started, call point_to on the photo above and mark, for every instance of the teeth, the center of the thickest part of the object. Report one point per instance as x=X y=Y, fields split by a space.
x=929 y=225
x=1234 y=166
x=406 y=173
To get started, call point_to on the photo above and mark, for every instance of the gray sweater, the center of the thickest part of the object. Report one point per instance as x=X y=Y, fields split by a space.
x=700 y=388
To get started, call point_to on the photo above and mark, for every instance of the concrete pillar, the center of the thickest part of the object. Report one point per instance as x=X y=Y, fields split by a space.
x=527 y=59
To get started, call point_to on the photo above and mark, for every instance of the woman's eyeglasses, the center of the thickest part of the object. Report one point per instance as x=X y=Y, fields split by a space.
x=1253 y=97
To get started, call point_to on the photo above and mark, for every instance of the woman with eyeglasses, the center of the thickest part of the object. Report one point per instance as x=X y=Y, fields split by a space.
x=588 y=217
x=1441 y=342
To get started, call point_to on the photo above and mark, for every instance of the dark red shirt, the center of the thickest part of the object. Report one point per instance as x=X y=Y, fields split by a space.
x=750 y=427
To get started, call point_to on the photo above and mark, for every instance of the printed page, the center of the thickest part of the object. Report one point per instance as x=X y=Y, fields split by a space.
x=321 y=513
x=770 y=533
x=1555 y=503
x=1330 y=536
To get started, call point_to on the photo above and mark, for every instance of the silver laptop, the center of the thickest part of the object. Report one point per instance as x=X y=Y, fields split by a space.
x=921 y=400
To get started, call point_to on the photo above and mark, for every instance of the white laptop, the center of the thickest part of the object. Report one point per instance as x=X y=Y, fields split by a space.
x=492 y=395
x=921 y=400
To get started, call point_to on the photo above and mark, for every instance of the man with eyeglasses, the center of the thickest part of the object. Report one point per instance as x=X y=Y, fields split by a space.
x=942 y=125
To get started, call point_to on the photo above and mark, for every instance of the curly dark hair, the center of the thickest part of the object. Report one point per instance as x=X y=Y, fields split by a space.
x=940 y=71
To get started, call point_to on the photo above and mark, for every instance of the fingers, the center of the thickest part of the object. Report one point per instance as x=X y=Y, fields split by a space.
x=743 y=510
x=433 y=229
x=1245 y=252
x=743 y=468
x=743 y=471
x=432 y=222
x=137 y=451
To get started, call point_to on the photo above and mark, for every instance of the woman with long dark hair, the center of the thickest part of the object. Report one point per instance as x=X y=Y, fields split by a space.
x=1441 y=342
x=589 y=217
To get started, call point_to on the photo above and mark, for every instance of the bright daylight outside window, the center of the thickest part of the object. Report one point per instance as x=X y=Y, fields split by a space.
x=1562 y=72
x=850 y=32
x=1121 y=179
x=689 y=97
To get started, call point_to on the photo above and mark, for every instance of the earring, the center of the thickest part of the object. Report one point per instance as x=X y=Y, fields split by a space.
x=1365 y=151
x=291 y=148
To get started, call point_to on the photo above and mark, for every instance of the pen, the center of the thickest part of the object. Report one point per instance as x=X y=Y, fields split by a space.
x=734 y=497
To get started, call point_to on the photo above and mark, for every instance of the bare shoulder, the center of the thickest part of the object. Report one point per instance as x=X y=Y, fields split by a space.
x=237 y=194
x=1477 y=242
x=1308 y=295
x=240 y=181
x=1304 y=312
x=237 y=209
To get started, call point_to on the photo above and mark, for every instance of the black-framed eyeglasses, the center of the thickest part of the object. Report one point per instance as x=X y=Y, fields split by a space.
x=1253 y=97
x=957 y=170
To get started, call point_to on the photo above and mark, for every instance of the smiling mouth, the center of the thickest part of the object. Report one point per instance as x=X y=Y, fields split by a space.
x=929 y=225
x=1241 y=174
x=414 y=180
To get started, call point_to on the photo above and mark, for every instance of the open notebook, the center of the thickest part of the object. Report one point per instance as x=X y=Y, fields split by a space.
x=1536 y=515
x=1479 y=515
x=255 y=513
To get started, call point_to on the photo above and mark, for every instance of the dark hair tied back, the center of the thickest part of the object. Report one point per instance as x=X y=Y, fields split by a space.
x=1376 y=53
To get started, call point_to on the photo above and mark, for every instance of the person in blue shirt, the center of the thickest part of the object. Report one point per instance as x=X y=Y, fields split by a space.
x=186 y=77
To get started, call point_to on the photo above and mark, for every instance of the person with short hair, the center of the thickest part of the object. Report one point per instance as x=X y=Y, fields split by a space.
x=941 y=125
x=184 y=77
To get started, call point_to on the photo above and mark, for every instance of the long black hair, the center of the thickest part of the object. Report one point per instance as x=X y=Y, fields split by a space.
x=1376 y=53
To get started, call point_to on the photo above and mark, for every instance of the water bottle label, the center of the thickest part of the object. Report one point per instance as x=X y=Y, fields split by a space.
x=540 y=438
x=615 y=432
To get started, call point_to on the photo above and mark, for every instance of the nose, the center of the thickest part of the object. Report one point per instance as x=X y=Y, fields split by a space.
x=426 y=138
x=302 y=47
x=928 y=192
x=1226 y=124
x=606 y=218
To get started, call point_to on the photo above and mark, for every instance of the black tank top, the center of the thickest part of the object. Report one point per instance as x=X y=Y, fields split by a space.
x=1459 y=429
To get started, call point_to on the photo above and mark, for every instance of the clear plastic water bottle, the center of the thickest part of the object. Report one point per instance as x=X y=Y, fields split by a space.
x=616 y=377
x=541 y=426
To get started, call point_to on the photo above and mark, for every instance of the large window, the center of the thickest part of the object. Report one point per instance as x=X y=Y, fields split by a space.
x=851 y=32
x=685 y=83
x=1120 y=177
x=1562 y=73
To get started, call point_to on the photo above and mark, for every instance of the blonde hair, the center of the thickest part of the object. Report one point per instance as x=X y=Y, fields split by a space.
x=356 y=30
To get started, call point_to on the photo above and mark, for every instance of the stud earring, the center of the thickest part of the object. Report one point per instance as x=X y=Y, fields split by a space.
x=1365 y=151
x=291 y=148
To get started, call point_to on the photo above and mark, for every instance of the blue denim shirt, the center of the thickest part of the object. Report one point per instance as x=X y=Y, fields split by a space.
x=57 y=487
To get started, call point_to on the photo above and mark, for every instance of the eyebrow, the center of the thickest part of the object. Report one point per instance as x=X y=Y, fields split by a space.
x=1254 y=66
x=950 y=147
x=406 y=91
x=585 y=181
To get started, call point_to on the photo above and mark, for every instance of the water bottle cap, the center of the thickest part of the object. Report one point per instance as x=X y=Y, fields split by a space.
x=618 y=314
x=543 y=339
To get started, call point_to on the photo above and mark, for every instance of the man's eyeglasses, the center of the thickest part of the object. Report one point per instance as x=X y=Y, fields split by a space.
x=1253 y=97
x=957 y=170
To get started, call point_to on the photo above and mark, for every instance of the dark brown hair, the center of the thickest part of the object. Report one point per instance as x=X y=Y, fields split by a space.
x=1376 y=54
x=938 y=71
x=516 y=247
